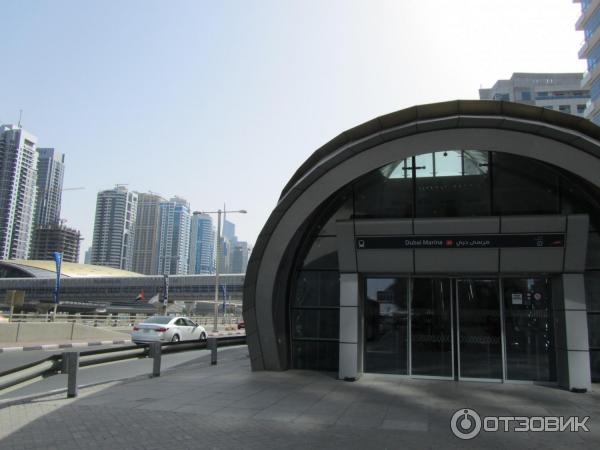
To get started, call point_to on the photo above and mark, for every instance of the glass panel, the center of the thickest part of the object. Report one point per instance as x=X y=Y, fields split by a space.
x=386 y=325
x=592 y=291
x=314 y=355
x=431 y=327
x=316 y=323
x=524 y=186
x=316 y=288
x=593 y=252
x=424 y=166
x=457 y=185
x=342 y=212
x=322 y=254
x=480 y=346
x=385 y=192
x=594 y=330
x=528 y=329
x=595 y=365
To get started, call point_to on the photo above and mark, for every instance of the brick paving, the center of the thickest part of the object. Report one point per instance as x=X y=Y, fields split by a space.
x=227 y=406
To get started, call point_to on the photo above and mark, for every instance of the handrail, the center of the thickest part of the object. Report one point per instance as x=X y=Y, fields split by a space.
x=53 y=364
x=46 y=367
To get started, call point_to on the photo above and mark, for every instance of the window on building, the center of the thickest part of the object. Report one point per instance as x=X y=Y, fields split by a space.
x=526 y=96
x=580 y=109
x=564 y=108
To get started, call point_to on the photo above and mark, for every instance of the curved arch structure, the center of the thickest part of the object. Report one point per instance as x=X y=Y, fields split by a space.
x=560 y=140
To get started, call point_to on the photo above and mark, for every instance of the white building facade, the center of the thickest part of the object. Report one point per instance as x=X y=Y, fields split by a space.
x=556 y=91
x=174 y=237
x=51 y=170
x=18 y=177
x=114 y=228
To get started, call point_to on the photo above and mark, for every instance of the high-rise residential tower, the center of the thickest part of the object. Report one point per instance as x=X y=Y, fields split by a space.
x=18 y=177
x=51 y=169
x=174 y=237
x=145 y=249
x=589 y=23
x=202 y=245
x=114 y=228
x=239 y=257
x=558 y=91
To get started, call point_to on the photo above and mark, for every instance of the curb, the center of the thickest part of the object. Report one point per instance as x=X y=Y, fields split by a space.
x=96 y=343
x=59 y=346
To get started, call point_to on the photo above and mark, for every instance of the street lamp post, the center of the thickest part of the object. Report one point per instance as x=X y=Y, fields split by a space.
x=218 y=259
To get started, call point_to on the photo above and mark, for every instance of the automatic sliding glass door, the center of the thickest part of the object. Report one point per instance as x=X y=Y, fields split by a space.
x=386 y=325
x=479 y=329
x=431 y=327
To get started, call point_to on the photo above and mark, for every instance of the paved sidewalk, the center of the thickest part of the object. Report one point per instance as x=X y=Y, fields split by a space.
x=228 y=406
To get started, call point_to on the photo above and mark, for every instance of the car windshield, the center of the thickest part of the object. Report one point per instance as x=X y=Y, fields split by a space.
x=158 y=319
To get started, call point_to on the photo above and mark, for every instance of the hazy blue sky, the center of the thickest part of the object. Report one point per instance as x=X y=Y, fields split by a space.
x=221 y=101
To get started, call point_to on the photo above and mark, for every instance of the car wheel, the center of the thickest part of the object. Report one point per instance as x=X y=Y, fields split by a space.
x=202 y=337
x=175 y=338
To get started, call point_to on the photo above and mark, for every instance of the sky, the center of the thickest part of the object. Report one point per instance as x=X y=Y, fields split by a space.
x=221 y=101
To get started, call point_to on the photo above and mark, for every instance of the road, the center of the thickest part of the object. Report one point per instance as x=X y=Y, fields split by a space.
x=100 y=373
x=15 y=359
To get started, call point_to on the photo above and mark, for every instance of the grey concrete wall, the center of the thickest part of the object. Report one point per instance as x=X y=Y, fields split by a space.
x=49 y=332
x=350 y=324
x=571 y=332
x=8 y=332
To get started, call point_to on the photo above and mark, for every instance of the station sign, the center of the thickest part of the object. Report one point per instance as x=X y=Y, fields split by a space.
x=462 y=241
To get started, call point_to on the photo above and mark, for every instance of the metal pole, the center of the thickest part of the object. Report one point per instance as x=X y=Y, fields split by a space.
x=155 y=354
x=212 y=345
x=71 y=364
x=218 y=262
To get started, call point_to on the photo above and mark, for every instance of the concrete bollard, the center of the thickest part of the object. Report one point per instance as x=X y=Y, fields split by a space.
x=71 y=367
x=156 y=354
x=212 y=346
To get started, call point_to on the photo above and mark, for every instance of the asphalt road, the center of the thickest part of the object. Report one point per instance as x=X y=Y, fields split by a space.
x=11 y=360
x=103 y=373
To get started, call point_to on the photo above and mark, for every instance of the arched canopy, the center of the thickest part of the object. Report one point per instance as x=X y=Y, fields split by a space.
x=569 y=142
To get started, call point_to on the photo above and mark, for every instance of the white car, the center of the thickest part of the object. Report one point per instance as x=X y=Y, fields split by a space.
x=167 y=329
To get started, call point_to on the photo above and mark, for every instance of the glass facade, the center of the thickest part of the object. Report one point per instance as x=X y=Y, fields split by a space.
x=446 y=183
x=431 y=327
x=386 y=325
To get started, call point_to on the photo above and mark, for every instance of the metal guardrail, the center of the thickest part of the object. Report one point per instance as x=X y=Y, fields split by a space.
x=104 y=320
x=59 y=363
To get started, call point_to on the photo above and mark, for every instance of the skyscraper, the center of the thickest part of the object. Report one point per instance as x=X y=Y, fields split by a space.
x=145 y=249
x=114 y=224
x=589 y=23
x=174 y=237
x=202 y=245
x=239 y=257
x=229 y=230
x=18 y=177
x=50 y=174
x=56 y=238
x=558 y=91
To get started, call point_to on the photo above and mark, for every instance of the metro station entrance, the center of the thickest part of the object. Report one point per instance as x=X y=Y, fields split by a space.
x=484 y=328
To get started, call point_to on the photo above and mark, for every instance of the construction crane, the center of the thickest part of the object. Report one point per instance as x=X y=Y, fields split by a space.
x=73 y=189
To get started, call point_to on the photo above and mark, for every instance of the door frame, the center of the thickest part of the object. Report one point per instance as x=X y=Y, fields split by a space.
x=455 y=323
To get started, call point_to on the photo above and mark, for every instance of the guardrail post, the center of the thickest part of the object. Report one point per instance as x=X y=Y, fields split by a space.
x=155 y=354
x=71 y=365
x=212 y=345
